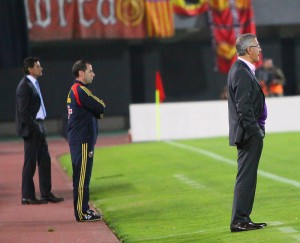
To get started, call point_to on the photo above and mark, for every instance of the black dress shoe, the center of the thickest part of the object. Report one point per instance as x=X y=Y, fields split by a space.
x=260 y=224
x=53 y=199
x=26 y=201
x=244 y=226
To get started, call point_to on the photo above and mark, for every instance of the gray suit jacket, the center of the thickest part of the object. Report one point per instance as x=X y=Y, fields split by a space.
x=245 y=103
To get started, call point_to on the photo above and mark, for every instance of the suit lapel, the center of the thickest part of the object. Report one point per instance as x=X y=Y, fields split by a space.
x=32 y=87
x=251 y=73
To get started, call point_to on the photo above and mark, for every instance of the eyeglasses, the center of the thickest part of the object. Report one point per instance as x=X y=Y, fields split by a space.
x=258 y=46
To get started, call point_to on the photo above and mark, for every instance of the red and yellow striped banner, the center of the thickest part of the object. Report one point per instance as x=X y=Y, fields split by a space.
x=159 y=17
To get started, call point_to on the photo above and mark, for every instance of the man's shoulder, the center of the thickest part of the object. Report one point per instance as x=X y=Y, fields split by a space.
x=236 y=66
x=23 y=79
x=240 y=66
x=83 y=89
x=24 y=82
x=240 y=63
x=239 y=71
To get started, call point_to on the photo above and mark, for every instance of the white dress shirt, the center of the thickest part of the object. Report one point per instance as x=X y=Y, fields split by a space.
x=249 y=64
x=42 y=111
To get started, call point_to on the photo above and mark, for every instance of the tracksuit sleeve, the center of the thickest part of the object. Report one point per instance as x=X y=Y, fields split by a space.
x=91 y=102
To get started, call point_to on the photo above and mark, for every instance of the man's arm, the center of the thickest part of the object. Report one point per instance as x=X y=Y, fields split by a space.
x=24 y=105
x=91 y=102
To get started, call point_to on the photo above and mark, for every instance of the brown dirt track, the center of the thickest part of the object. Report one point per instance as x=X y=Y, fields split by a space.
x=49 y=222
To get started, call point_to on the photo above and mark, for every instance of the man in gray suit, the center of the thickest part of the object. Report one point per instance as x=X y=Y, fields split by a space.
x=247 y=114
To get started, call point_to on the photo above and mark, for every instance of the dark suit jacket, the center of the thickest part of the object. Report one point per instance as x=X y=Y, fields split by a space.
x=27 y=106
x=245 y=103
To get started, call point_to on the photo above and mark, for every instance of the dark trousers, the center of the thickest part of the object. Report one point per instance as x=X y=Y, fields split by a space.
x=245 y=186
x=82 y=156
x=36 y=152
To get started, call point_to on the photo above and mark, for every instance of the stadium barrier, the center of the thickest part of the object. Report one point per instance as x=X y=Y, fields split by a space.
x=184 y=120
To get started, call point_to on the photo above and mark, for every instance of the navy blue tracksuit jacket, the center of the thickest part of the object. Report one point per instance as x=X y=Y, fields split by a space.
x=84 y=109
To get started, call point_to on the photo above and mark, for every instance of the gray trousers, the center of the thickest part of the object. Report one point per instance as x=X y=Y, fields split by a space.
x=245 y=185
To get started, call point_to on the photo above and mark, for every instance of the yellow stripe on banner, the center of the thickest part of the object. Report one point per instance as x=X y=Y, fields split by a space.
x=166 y=18
x=157 y=101
x=81 y=180
x=161 y=27
x=159 y=18
x=149 y=19
x=171 y=18
x=154 y=19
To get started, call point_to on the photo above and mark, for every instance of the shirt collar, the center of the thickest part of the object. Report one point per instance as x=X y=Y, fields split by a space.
x=32 y=79
x=249 y=64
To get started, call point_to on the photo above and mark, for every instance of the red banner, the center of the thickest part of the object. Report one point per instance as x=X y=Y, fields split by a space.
x=69 y=19
x=229 y=19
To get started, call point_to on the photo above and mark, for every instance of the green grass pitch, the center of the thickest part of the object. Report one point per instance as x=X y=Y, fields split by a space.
x=181 y=191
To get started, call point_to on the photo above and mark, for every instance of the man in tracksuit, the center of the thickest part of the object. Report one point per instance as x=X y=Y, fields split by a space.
x=83 y=111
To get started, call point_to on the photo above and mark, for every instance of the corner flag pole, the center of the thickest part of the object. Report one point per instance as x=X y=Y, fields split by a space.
x=157 y=115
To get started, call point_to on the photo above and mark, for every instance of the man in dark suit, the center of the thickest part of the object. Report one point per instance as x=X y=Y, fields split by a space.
x=30 y=114
x=247 y=114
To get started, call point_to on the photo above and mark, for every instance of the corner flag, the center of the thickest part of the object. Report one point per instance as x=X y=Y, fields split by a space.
x=159 y=97
x=159 y=87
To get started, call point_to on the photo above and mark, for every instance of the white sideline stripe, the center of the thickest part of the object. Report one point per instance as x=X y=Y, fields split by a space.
x=169 y=236
x=275 y=223
x=232 y=162
x=296 y=237
x=287 y=230
x=189 y=181
x=176 y=235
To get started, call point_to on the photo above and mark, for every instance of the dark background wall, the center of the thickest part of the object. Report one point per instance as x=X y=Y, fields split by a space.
x=125 y=69
x=13 y=33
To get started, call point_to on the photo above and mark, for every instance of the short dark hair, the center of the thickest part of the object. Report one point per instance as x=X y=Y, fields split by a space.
x=243 y=42
x=80 y=65
x=29 y=63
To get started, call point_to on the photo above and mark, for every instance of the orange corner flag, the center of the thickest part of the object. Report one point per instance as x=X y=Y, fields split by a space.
x=159 y=87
